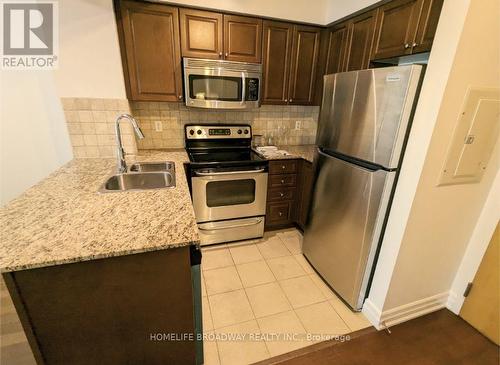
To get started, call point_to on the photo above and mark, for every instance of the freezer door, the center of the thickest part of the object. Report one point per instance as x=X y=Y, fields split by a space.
x=370 y=113
x=348 y=208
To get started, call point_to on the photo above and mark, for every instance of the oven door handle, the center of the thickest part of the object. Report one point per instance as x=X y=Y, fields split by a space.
x=228 y=172
x=257 y=221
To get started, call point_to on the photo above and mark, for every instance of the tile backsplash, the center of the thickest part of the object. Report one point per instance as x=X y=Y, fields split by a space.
x=91 y=124
x=163 y=123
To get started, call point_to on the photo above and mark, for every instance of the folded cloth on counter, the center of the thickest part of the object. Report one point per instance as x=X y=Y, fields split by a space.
x=271 y=151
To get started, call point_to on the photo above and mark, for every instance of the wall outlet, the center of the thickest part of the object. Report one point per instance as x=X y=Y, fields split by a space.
x=298 y=124
x=158 y=126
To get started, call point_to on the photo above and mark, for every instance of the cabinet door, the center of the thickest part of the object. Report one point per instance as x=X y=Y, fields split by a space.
x=396 y=28
x=337 y=48
x=242 y=38
x=277 y=46
x=150 y=46
x=201 y=34
x=305 y=48
x=427 y=25
x=361 y=31
x=305 y=191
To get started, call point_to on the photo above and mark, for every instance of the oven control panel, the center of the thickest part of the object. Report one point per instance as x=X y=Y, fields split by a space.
x=218 y=131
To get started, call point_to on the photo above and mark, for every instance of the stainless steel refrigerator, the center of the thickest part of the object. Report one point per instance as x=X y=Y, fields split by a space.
x=364 y=120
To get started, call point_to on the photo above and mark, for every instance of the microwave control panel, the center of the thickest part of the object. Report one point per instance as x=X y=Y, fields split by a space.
x=252 y=90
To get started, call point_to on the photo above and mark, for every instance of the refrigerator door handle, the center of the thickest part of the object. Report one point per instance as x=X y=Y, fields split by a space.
x=362 y=165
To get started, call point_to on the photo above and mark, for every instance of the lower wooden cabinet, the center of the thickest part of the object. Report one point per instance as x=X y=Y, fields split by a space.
x=289 y=192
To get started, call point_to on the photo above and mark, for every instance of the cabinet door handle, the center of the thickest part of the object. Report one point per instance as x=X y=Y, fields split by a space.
x=286 y=100
x=180 y=97
x=282 y=181
x=283 y=167
x=282 y=195
x=280 y=214
x=291 y=100
x=220 y=54
x=407 y=45
x=414 y=44
x=226 y=54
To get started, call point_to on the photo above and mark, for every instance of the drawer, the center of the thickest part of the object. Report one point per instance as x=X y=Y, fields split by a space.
x=288 y=180
x=281 y=194
x=283 y=167
x=279 y=213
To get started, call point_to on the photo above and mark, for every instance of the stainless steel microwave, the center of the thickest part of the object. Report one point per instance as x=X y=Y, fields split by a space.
x=221 y=84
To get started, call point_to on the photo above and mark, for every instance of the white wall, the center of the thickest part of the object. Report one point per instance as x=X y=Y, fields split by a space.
x=311 y=11
x=34 y=138
x=89 y=60
x=429 y=226
x=336 y=9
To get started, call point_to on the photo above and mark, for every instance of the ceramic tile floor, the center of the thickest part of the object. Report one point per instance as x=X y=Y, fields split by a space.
x=261 y=298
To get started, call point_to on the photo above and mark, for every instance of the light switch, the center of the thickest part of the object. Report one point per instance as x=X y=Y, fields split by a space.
x=474 y=137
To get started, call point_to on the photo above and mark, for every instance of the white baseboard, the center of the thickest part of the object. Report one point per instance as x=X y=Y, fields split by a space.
x=404 y=312
x=372 y=313
x=454 y=302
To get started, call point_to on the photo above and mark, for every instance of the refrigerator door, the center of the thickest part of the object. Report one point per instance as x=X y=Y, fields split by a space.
x=345 y=220
x=369 y=113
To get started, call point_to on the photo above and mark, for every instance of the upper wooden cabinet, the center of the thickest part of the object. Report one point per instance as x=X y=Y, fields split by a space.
x=405 y=27
x=427 y=25
x=201 y=34
x=290 y=62
x=360 y=40
x=149 y=37
x=337 y=42
x=277 y=52
x=305 y=49
x=206 y=34
x=242 y=38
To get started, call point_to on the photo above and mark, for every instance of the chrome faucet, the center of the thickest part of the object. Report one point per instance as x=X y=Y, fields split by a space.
x=122 y=165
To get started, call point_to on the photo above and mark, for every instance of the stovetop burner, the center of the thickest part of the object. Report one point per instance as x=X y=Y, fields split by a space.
x=221 y=146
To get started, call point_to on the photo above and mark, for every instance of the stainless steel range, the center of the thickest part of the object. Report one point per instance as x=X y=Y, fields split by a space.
x=228 y=182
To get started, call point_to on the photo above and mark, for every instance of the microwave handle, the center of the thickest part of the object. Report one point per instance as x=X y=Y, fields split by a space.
x=243 y=88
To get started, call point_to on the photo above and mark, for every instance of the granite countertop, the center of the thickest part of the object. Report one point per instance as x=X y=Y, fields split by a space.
x=63 y=218
x=300 y=151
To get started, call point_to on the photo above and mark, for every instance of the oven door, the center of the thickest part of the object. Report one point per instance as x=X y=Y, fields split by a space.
x=229 y=194
x=221 y=89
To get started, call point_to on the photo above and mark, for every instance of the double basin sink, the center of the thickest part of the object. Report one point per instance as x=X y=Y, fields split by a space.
x=142 y=176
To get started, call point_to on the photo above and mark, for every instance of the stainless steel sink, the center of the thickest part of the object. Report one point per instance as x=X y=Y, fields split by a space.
x=153 y=166
x=142 y=176
x=137 y=181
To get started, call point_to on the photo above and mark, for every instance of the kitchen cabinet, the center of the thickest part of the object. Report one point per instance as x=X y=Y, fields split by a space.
x=242 y=39
x=290 y=63
x=201 y=34
x=350 y=43
x=289 y=193
x=405 y=27
x=427 y=26
x=306 y=180
x=149 y=39
x=281 y=193
x=337 y=40
x=360 y=40
x=305 y=49
x=206 y=34
x=276 y=56
x=113 y=310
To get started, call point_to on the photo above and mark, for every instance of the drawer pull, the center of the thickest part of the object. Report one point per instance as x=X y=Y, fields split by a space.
x=282 y=195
